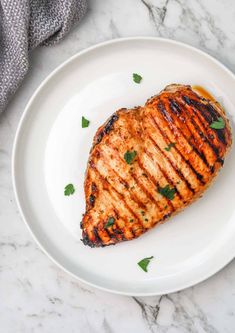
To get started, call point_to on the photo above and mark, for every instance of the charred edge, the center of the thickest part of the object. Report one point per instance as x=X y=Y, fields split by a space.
x=209 y=117
x=119 y=232
x=86 y=240
x=107 y=128
x=209 y=114
x=220 y=132
x=166 y=216
x=92 y=200
x=99 y=241
x=175 y=108
x=197 y=174
x=203 y=136
x=220 y=160
x=93 y=187
x=221 y=135
x=177 y=171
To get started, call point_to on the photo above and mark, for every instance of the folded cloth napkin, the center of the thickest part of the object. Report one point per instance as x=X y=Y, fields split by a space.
x=25 y=24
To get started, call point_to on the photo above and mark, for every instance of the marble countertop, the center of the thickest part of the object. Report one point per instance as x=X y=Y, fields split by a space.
x=35 y=295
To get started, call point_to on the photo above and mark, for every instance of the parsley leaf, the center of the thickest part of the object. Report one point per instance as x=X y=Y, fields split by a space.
x=129 y=156
x=167 y=192
x=172 y=144
x=218 y=124
x=69 y=189
x=85 y=122
x=144 y=263
x=136 y=78
x=110 y=222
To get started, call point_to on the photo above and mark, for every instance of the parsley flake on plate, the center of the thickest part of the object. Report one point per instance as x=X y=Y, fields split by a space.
x=129 y=156
x=110 y=222
x=69 y=189
x=144 y=263
x=167 y=192
x=218 y=124
x=172 y=144
x=85 y=122
x=136 y=77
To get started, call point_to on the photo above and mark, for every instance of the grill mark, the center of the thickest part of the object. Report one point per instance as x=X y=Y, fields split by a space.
x=122 y=181
x=217 y=132
x=206 y=109
x=107 y=128
x=119 y=195
x=148 y=194
x=154 y=181
x=174 y=167
x=97 y=237
x=199 y=153
x=199 y=107
x=116 y=231
x=197 y=174
x=203 y=135
x=169 y=181
x=145 y=191
x=133 y=196
x=86 y=240
x=156 y=184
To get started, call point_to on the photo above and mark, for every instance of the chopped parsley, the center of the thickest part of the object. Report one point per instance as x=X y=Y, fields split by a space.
x=172 y=144
x=131 y=220
x=144 y=263
x=218 y=124
x=110 y=222
x=129 y=156
x=85 y=122
x=136 y=77
x=69 y=189
x=167 y=192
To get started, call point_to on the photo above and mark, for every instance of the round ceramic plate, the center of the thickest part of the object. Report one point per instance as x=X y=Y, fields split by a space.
x=51 y=150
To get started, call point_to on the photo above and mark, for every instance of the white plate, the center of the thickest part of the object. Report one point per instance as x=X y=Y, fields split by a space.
x=51 y=150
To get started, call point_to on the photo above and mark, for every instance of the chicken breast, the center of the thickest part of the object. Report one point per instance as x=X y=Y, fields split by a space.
x=148 y=163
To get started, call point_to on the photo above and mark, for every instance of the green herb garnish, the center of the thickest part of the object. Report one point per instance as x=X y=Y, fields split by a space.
x=167 y=192
x=85 y=122
x=218 y=124
x=144 y=263
x=110 y=222
x=69 y=189
x=136 y=78
x=129 y=156
x=172 y=144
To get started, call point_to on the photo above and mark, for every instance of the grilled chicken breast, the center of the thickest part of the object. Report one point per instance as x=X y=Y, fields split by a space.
x=150 y=162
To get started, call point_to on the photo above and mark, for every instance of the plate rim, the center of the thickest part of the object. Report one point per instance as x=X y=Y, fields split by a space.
x=20 y=128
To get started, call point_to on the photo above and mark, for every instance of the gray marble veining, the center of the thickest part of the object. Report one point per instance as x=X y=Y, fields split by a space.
x=35 y=295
